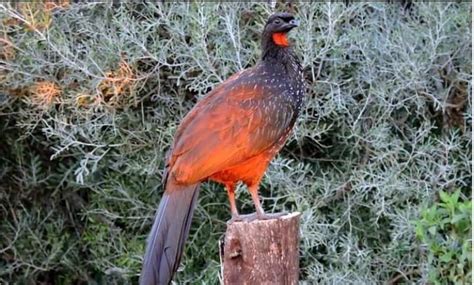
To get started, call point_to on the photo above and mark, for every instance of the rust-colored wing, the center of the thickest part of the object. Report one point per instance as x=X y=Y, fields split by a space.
x=236 y=121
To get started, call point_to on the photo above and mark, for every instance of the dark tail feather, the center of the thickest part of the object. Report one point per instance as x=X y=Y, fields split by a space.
x=168 y=234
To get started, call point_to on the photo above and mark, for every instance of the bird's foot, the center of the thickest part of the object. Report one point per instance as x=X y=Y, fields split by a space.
x=265 y=216
x=242 y=218
x=255 y=216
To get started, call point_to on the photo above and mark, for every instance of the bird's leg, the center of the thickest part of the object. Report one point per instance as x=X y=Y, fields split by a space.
x=236 y=217
x=261 y=215
x=233 y=208
x=256 y=201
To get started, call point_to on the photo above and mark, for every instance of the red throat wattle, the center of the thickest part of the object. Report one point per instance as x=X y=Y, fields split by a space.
x=280 y=39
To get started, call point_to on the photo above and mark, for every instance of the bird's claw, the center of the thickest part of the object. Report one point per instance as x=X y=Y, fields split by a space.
x=265 y=216
x=255 y=216
x=242 y=218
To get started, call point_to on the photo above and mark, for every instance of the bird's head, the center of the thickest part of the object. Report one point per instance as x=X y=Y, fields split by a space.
x=277 y=28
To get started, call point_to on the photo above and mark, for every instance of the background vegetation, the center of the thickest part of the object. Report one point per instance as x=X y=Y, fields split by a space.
x=91 y=94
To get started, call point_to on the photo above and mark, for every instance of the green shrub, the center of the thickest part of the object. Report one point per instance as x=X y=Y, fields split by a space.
x=445 y=230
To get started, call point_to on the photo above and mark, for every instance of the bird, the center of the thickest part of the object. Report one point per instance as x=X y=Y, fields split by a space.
x=230 y=136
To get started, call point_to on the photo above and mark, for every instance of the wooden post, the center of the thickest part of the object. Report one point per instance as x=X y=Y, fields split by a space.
x=262 y=251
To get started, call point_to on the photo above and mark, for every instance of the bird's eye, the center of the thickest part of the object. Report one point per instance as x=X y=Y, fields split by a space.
x=277 y=22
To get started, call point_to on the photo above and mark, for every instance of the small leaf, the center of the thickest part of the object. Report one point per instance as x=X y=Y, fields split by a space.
x=456 y=218
x=420 y=233
x=444 y=196
x=446 y=257
x=455 y=196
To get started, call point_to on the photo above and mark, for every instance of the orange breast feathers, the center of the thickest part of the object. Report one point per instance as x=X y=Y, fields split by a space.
x=280 y=39
x=227 y=127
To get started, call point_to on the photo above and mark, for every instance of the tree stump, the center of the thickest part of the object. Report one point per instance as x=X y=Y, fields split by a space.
x=262 y=251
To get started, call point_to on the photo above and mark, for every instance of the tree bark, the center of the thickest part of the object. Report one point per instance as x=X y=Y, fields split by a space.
x=262 y=251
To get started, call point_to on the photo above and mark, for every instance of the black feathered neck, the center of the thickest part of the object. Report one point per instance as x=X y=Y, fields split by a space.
x=272 y=51
x=279 y=56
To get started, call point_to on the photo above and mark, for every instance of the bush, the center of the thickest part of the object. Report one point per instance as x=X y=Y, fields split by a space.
x=445 y=230
x=91 y=95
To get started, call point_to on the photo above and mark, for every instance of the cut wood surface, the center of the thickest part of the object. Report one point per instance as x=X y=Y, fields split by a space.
x=262 y=251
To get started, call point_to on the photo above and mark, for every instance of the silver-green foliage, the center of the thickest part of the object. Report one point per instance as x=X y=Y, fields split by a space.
x=386 y=126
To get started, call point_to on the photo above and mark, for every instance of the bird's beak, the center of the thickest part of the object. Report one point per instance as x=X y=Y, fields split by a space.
x=290 y=25
x=294 y=23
